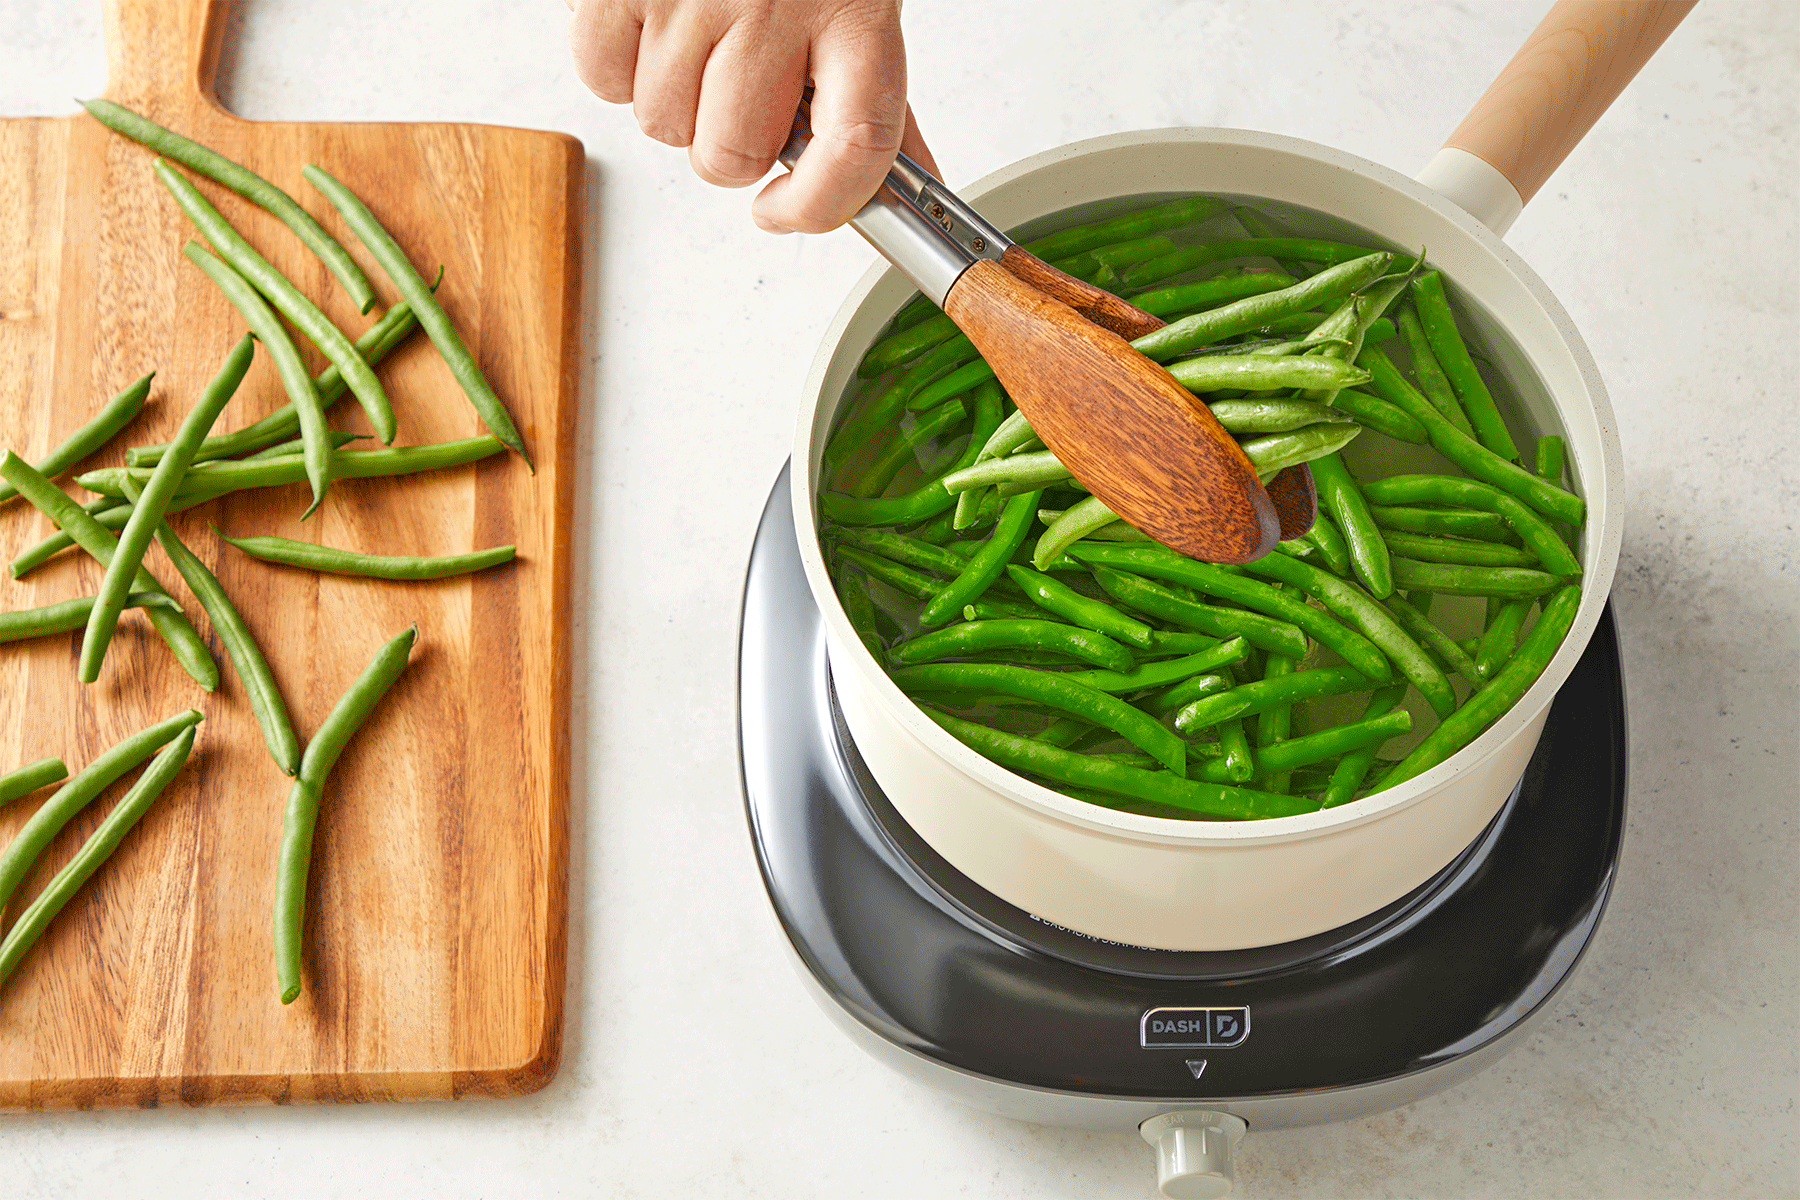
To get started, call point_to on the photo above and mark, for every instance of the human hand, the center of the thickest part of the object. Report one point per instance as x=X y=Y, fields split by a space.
x=723 y=78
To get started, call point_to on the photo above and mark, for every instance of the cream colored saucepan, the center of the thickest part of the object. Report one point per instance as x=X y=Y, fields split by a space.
x=1186 y=885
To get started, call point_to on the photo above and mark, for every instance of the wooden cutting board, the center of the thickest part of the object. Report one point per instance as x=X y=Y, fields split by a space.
x=435 y=941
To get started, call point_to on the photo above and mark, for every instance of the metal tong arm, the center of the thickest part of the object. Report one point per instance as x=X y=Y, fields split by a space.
x=917 y=223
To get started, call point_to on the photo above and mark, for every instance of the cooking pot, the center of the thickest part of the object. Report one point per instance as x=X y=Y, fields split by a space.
x=1212 y=885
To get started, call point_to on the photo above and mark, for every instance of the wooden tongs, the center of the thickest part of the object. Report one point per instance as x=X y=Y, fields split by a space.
x=1142 y=443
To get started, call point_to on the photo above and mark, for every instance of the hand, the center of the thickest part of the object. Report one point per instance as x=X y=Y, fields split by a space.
x=723 y=78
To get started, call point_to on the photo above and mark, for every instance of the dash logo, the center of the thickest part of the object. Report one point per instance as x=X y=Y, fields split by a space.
x=1184 y=1028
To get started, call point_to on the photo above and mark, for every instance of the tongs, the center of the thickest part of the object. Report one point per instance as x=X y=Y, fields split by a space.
x=1143 y=444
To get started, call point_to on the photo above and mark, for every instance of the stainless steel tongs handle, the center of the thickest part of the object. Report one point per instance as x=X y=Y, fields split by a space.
x=917 y=223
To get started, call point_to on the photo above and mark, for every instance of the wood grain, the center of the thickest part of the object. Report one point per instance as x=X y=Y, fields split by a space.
x=435 y=941
x=1291 y=491
x=1117 y=420
x=1571 y=68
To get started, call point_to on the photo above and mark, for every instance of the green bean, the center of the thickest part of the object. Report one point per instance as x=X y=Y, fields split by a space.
x=302 y=815
x=1033 y=470
x=1186 y=259
x=301 y=390
x=1439 y=324
x=1258 y=312
x=903 y=446
x=1532 y=529
x=853 y=593
x=333 y=561
x=1171 y=790
x=113 y=416
x=1061 y=732
x=230 y=475
x=1058 y=691
x=1368 y=733
x=1499 y=694
x=922 y=503
x=287 y=299
x=1239 y=761
x=1342 y=334
x=174 y=628
x=1082 y=610
x=1346 y=778
x=1080 y=520
x=967 y=376
x=376 y=343
x=1467 y=453
x=1432 y=380
x=1419 y=624
x=1113 y=255
x=1181 y=641
x=1325 y=537
x=1498 y=640
x=1168 y=671
x=902 y=549
x=992 y=609
x=1261 y=695
x=1260 y=372
x=858 y=430
x=1548 y=461
x=245 y=183
x=1140 y=223
x=1275 y=452
x=1186 y=691
x=68 y=615
x=165 y=479
x=1339 y=495
x=986 y=564
x=30 y=777
x=111 y=518
x=1210 y=293
x=1448 y=522
x=1381 y=416
x=97 y=849
x=971 y=637
x=1367 y=614
x=904 y=345
x=902 y=579
x=1163 y=563
x=1457 y=550
x=1273 y=725
x=1263 y=632
x=338 y=438
x=1273 y=415
x=240 y=645
x=1113 y=530
x=432 y=317
x=35 y=835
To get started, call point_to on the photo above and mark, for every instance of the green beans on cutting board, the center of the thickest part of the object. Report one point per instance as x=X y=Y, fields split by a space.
x=65 y=616
x=54 y=813
x=30 y=777
x=432 y=317
x=332 y=561
x=113 y=416
x=165 y=479
x=245 y=183
x=287 y=299
x=376 y=343
x=229 y=475
x=174 y=628
x=99 y=846
x=294 y=860
x=302 y=392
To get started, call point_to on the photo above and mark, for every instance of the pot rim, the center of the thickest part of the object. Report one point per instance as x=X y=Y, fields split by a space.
x=1604 y=524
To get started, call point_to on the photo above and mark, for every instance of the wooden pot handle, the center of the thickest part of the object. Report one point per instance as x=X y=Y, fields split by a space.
x=1574 y=63
x=163 y=52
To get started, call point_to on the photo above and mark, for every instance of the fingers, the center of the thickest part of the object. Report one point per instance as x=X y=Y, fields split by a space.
x=603 y=37
x=748 y=94
x=858 y=122
x=671 y=58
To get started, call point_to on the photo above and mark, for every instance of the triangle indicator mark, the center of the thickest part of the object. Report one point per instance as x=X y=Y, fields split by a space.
x=1197 y=1066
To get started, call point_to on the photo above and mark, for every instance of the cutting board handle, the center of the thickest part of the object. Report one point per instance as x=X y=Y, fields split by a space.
x=164 y=54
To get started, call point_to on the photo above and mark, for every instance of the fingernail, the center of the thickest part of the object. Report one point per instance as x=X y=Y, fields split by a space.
x=768 y=226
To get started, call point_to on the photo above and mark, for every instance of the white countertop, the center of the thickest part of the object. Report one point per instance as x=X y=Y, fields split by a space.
x=694 y=1063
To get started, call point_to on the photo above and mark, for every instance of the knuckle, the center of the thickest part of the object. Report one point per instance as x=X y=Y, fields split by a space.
x=730 y=164
x=866 y=143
